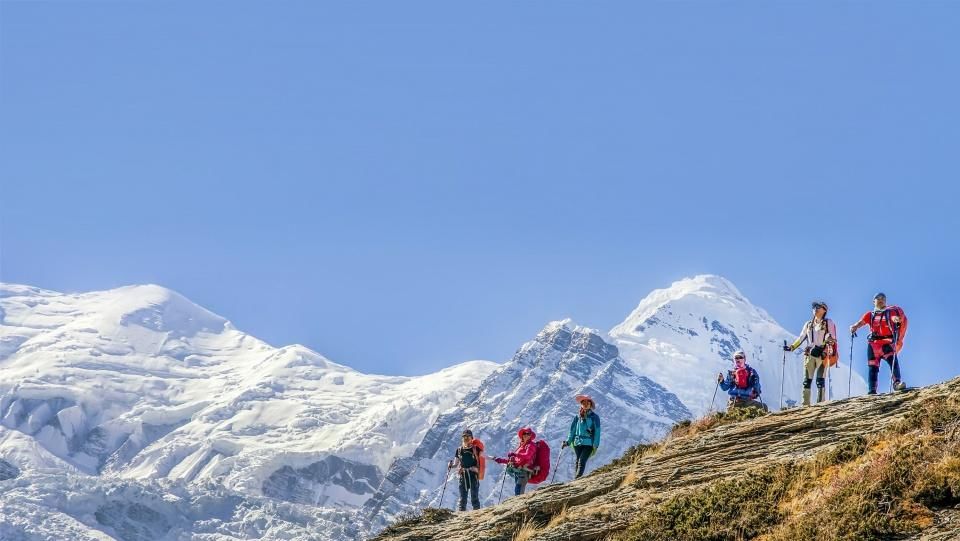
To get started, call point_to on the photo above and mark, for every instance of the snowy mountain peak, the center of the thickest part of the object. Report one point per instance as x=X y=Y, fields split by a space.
x=567 y=336
x=161 y=309
x=704 y=291
x=568 y=325
x=683 y=335
x=153 y=307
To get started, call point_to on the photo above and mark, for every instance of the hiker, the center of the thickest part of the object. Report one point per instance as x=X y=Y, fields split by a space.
x=584 y=434
x=468 y=458
x=888 y=327
x=742 y=384
x=521 y=463
x=820 y=335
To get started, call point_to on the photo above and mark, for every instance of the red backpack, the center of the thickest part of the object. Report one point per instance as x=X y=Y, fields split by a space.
x=541 y=463
x=741 y=376
x=882 y=325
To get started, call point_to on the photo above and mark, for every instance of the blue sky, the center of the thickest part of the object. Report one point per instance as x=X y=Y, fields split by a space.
x=402 y=186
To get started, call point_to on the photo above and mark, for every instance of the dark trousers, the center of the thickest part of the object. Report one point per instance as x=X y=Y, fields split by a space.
x=469 y=483
x=583 y=453
x=874 y=373
x=520 y=478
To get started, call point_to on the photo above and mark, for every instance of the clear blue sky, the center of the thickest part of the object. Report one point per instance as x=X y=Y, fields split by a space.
x=405 y=185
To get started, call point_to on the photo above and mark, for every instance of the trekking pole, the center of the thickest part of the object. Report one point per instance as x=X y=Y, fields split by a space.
x=502 y=479
x=783 y=370
x=850 y=376
x=896 y=340
x=713 y=400
x=446 y=479
x=557 y=465
x=826 y=367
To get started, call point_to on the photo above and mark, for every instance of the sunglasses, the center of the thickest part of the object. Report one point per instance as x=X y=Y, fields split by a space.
x=739 y=358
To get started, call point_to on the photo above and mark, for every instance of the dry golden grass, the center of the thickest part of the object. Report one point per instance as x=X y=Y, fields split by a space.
x=558 y=518
x=886 y=484
x=526 y=531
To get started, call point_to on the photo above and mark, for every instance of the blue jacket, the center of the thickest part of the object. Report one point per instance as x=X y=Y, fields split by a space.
x=585 y=431
x=753 y=385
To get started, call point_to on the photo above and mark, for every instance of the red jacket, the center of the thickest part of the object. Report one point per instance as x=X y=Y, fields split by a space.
x=523 y=457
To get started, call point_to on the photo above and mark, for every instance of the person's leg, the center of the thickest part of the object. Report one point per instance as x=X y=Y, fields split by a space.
x=809 y=367
x=873 y=369
x=821 y=380
x=894 y=366
x=583 y=453
x=474 y=490
x=462 y=482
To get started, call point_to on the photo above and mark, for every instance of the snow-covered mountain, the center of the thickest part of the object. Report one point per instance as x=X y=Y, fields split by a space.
x=135 y=414
x=535 y=388
x=140 y=384
x=684 y=335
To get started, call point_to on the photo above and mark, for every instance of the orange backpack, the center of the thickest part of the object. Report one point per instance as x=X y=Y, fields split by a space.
x=481 y=459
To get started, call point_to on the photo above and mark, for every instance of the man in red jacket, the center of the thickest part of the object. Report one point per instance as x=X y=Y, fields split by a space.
x=888 y=327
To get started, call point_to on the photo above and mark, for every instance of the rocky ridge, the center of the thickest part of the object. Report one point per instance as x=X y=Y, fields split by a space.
x=610 y=504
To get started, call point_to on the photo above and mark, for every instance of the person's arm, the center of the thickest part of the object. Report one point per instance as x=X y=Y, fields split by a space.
x=572 y=434
x=756 y=383
x=900 y=330
x=596 y=432
x=455 y=463
x=802 y=338
x=725 y=383
x=831 y=339
x=865 y=320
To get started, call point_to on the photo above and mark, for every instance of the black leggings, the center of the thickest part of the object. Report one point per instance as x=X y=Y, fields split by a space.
x=583 y=453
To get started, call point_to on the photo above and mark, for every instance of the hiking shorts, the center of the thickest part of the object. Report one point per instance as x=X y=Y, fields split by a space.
x=879 y=349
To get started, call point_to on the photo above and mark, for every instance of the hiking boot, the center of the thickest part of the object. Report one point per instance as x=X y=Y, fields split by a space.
x=899 y=386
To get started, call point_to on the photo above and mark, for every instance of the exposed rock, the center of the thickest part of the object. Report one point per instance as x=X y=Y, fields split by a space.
x=8 y=470
x=600 y=505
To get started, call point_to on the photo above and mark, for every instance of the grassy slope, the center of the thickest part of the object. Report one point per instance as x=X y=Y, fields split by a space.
x=884 y=475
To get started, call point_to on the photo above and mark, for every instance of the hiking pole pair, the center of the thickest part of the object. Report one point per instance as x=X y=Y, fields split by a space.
x=557 y=465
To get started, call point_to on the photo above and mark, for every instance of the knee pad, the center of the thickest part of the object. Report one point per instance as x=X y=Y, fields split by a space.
x=821 y=382
x=806 y=383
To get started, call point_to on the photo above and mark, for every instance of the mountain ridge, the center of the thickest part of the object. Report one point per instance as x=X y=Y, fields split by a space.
x=840 y=470
x=139 y=387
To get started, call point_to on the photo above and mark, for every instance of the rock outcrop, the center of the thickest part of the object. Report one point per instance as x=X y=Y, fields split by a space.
x=839 y=438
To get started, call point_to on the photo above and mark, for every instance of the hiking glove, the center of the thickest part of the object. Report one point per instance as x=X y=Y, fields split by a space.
x=788 y=348
x=593 y=452
x=564 y=444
